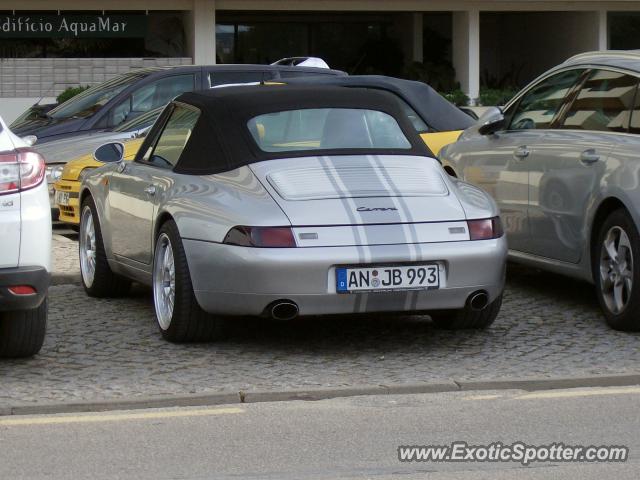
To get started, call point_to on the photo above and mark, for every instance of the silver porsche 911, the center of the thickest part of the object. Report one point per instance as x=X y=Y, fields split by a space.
x=284 y=201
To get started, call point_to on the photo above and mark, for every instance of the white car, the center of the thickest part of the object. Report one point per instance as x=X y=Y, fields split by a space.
x=25 y=247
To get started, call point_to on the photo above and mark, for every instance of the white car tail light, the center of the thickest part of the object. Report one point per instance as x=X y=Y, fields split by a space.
x=20 y=170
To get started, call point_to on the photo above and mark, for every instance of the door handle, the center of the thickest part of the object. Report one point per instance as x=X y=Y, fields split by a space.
x=589 y=157
x=521 y=152
x=150 y=190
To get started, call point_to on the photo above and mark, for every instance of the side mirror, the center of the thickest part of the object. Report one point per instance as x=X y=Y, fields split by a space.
x=30 y=140
x=491 y=124
x=109 y=152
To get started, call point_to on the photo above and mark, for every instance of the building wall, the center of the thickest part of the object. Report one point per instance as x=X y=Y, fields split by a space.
x=25 y=81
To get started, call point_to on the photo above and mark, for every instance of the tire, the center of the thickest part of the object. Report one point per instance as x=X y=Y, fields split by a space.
x=618 y=279
x=98 y=280
x=178 y=313
x=467 y=318
x=22 y=333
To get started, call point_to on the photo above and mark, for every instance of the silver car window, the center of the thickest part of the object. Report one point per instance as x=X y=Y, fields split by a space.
x=604 y=103
x=174 y=137
x=538 y=107
x=326 y=129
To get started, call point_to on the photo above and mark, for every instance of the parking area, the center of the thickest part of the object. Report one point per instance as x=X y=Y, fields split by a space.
x=549 y=326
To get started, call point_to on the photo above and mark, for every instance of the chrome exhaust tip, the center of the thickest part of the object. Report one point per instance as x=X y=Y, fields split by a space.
x=284 y=310
x=478 y=300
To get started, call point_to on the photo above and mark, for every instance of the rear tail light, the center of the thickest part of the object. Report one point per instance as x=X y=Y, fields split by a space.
x=485 y=229
x=20 y=170
x=266 y=237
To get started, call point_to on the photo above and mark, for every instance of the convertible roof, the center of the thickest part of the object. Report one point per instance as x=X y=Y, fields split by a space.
x=433 y=108
x=221 y=140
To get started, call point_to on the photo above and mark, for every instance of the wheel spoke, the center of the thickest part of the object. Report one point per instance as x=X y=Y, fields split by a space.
x=610 y=247
x=618 y=296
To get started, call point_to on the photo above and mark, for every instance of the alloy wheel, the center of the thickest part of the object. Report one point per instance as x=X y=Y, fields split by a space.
x=164 y=281
x=87 y=247
x=616 y=270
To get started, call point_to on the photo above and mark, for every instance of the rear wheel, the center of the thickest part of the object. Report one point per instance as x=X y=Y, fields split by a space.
x=616 y=271
x=467 y=317
x=178 y=313
x=97 y=277
x=22 y=333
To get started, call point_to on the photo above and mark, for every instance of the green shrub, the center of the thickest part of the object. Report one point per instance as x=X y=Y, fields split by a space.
x=70 y=93
x=494 y=97
x=457 y=97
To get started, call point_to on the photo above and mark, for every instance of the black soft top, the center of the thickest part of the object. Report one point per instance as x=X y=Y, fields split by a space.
x=221 y=140
x=436 y=111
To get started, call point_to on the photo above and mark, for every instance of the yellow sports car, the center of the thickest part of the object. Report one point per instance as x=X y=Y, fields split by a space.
x=67 y=189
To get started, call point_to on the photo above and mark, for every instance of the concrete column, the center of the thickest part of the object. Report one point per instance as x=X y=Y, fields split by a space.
x=603 y=30
x=466 y=51
x=201 y=32
x=417 y=47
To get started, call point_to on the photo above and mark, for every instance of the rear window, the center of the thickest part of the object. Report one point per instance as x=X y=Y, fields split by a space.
x=327 y=129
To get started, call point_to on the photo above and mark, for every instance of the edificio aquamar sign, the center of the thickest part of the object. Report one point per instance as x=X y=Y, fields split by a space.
x=73 y=26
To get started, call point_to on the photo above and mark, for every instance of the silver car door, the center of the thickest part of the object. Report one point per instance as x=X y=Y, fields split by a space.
x=565 y=169
x=495 y=164
x=501 y=162
x=131 y=207
x=138 y=188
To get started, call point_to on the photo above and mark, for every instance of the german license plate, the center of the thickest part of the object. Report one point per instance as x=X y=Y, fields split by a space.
x=387 y=278
x=62 y=198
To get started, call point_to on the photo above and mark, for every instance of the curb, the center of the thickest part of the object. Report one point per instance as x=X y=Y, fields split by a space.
x=227 y=398
x=65 y=279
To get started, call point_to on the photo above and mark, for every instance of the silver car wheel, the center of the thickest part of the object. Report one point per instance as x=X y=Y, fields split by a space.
x=164 y=281
x=616 y=270
x=87 y=247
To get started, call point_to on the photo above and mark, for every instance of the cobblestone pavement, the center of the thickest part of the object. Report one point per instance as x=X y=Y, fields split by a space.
x=65 y=256
x=107 y=349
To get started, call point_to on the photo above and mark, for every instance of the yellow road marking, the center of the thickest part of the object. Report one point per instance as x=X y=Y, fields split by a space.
x=116 y=417
x=580 y=393
x=483 y=397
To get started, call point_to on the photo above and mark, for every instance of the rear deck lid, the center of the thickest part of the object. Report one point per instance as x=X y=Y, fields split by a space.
x=359 y=190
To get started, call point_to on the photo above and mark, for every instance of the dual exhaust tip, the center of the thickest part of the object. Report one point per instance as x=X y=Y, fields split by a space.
x=478 y=300
x=284 y=310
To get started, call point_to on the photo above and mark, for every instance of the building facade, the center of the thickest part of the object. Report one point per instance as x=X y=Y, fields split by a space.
x=49 y=45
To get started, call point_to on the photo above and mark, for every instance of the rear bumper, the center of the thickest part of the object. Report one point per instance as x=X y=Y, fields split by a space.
x=69 y=213
x=36 y=277
x=236 y=280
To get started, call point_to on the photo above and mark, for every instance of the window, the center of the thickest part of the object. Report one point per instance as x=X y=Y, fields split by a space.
x=224 y=78
x=174 y=137
x=90 y=101
x=148 y=97
x=327 y=129
x=603 y=104
x=538 y=107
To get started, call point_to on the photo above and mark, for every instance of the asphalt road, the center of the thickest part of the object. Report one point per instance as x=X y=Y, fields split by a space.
x=354 y=438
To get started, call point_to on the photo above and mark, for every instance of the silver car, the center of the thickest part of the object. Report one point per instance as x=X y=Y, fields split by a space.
x=284 y=201
x=563 y=162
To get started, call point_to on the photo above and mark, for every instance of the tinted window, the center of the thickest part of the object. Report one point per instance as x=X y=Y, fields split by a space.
x=90 y=101
x=539 y=106
x=223 y=78
x=149 y=97
x=174 y=137
x=604 y=103
x=326 y=129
